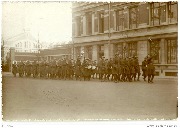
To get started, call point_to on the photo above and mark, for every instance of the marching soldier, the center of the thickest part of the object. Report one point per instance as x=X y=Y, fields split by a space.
x=115 y=68
x=137 y=67
x=28 y=68
x=103 y=69
x=14 y=68
x=21 y=68
x=41 y=68
x=53 y=69
x=99 y=65
x=48 y=66
x=94 y=69
x=63 y=71
x=106 y=63
x=35 y=68
x=151 y=72
x=144 y=68
x=109 y=68
x=59 y=68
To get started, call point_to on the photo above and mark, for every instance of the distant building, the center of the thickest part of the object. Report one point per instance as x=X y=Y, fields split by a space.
x=24 y=42
x=134 y=28
x=58 y=52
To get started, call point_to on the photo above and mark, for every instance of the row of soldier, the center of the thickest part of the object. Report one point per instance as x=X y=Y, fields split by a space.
x=116 y=69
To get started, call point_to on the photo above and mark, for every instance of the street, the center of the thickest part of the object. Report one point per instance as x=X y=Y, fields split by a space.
x=63 y=100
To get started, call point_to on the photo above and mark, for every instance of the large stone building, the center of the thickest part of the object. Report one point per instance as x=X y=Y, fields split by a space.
x=129 y=28
x=24 y=42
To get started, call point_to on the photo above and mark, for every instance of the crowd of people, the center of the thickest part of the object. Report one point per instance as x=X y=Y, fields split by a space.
x=115 y=69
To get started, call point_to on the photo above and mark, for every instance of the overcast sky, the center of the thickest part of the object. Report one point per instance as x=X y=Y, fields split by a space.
x=52 y=20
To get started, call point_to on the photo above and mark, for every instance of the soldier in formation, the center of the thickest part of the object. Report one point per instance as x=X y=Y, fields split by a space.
x=117 y=69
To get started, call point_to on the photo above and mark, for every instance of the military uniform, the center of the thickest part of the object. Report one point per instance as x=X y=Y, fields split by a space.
x=109 y=68
x=48 y=67
x=53 y=69
x=28 y=69
x=99 y=65
x=34 y=68
x=21 y=68
x=144 y=69
x=14 y=69
x=59 y=68
x=41 y=69
x=94 y=69
x=115 y=69
x=137 y=68
x=63 y=71
x=151 y=72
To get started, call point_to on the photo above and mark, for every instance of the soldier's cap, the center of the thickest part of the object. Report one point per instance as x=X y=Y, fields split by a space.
x=103 y=56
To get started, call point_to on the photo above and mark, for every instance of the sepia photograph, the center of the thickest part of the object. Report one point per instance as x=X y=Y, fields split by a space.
x=89 y=61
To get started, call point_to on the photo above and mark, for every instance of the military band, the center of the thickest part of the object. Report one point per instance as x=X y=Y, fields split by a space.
x=117 y=69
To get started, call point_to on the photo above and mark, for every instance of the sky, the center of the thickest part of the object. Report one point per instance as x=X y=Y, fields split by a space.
x=51 y=20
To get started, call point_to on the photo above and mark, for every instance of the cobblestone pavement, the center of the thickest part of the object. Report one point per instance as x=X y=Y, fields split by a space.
x=38 y=99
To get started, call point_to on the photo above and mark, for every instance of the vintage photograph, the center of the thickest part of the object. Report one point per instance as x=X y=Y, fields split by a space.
x=89 y=61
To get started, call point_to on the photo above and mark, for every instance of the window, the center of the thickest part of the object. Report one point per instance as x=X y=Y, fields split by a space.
x=96 y=20
x=88 y=23
x=132 y=49
x=143 y=12
x=78 y=51
x=78 y=26
x=112 y=19
x=128 y=49
x=133 y=14
x=121 y=20
x=172 y=11
x=172 y=51
x=158 y=13
x=89 y=52
x=101 y=51
x=118 y=48
x=155 y=50
x=73 y=29
x=101 y=22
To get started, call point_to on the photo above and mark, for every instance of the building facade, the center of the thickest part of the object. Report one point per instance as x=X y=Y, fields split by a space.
x=128 y=28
